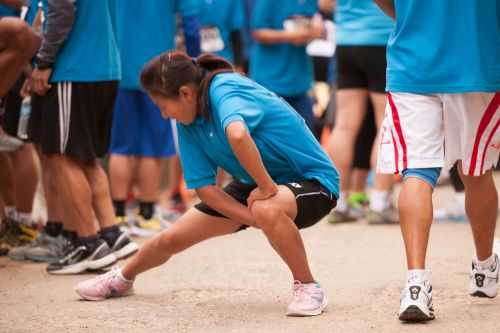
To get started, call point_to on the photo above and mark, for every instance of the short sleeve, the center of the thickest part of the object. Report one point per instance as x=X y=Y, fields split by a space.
x=189 y=7
x=234 y=104
x=198 y=169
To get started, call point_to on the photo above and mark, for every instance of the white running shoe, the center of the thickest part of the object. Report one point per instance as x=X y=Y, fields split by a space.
x=416 y=303
x=483 y=282
x=496 y=246
x=308 y=300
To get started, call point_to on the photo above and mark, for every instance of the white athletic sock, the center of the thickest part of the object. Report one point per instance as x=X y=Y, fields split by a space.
x=11 y=212
x=120 y=275
x=417 y=276
x=25 y=219
x=379 y=200
x=487 y=263
x=342 y=204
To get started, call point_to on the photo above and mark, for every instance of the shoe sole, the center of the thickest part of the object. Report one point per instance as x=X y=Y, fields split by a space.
x=310 y=313
x=84 y=265
x=481 y=294
x=46 y=259
x=16 y=258
x=413 y=314
x=126 y=251
x=129 y=292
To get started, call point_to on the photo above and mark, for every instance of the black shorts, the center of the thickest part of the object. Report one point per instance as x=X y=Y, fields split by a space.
x=74 y=118
x=13 y=103
x=314 y=201
x=361 y=67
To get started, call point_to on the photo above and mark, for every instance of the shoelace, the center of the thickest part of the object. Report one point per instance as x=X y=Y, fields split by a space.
x=300 y=291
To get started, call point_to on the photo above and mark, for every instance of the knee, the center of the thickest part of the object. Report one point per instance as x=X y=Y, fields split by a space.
x=24 y=40
x=167 y=242
x=266 y=215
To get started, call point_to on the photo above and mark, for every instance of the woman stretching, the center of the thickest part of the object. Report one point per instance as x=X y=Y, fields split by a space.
x=283 y=180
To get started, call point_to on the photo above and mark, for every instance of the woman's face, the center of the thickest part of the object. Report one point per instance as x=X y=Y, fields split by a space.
x=182 y=108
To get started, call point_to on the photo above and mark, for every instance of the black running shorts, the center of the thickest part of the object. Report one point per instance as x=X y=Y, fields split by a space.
x=314 y=201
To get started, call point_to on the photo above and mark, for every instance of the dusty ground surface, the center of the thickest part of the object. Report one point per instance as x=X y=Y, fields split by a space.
x=237 y=284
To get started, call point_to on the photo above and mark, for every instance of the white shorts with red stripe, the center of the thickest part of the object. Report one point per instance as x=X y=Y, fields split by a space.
x=427 y=131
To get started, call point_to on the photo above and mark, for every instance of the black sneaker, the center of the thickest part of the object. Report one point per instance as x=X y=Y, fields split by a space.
x=79 y=258
x=123 y=247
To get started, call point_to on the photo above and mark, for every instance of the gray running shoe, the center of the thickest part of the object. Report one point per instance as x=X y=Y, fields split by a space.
x=387 y=216
x=43 y=249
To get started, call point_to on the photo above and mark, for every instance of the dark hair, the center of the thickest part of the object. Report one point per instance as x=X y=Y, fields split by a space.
x=166 y=73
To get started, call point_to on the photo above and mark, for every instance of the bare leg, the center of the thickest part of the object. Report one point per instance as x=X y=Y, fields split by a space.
x=192 y=228
x=415 y=210
x=26 y=177
x=121 y=175
x=7 y=185
x=275 y=217
x=481 y=205
x=101 y=197
x=148 y=176
x=351 y=107
x=358 y=180
x=18 y=43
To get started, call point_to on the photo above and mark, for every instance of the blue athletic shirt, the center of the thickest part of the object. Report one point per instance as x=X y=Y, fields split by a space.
x=8 y=11
x=226 y=16
x=445 y=46
x=144 y=30
x=90 y=52
x=285 y=69
x=361 y=23
x=289 y=151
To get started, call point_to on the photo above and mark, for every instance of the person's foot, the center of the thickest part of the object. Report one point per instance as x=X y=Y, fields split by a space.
x=416 y=303
x=15 y=235
x=389 y=215
x=124 y=223
x=455 y=211
x=44 y=248
x=79 y=258
x=337 y=216
x=496 y=246
x=146 y=227
x=123 y=247
x=308 y=300
x=111 y=284
x=483 y=281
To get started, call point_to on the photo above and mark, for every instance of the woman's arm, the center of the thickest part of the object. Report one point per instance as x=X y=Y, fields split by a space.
x=217 y=199
x=387 y=6
x=248 y=155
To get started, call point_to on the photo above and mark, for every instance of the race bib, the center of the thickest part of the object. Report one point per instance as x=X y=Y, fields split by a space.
x=211 y=40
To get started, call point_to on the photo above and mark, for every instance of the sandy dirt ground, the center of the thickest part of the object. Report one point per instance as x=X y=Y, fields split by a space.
x=238 y=284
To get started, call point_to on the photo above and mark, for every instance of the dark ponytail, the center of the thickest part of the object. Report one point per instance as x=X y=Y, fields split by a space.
x=165 y=74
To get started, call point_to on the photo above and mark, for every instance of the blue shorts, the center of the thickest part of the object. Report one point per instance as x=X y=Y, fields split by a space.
x=138 y=127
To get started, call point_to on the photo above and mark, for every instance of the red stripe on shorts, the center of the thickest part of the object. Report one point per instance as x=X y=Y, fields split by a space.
x=483 y=124
x=399 y=130
x=396 y=153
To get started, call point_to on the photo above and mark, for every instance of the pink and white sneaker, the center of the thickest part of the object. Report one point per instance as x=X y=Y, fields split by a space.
x=308 y=300
x=111 y=284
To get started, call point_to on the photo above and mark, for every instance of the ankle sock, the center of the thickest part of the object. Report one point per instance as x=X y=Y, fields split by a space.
x=379 y=200
x=342 y=204
x=146 y=209
x=119 y=207
x=487 y=263
x=417 y=276
x=110 y=234
x=53 y=228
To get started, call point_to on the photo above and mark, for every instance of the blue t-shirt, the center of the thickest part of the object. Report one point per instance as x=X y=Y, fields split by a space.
x=289 y=151
x=144 y=30
x=218 y=18
x=90 y=52
x=445 y=46
x=8 y=11
x=361 y=22
x=285 y=69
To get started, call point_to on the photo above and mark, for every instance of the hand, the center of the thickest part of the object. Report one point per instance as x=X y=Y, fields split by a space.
x=40 y=81
x=26 y=90
x=317 y=27
x=300 y=37
x=262 y=194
